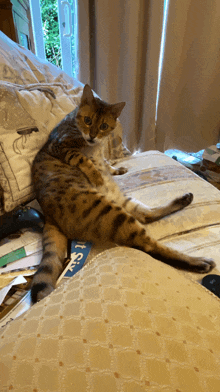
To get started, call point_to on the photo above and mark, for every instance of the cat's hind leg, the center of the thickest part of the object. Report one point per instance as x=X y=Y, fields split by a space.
x=146 y=215
x=101 y=220
x=54 y=252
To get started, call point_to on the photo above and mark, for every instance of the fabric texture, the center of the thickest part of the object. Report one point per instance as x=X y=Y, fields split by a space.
x=122 y=52
x=119 y=49
x=34 y=97
x=126 y=323
x=27 y=117
x=154 y=179
x=188 y=106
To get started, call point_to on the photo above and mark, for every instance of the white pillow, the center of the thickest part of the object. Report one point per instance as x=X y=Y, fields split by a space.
x=27 y=117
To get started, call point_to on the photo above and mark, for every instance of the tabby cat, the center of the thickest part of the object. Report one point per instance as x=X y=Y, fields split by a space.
x=80 y=199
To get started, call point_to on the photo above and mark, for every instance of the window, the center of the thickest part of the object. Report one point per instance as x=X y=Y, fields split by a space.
x=55 y=32
x=163 y=37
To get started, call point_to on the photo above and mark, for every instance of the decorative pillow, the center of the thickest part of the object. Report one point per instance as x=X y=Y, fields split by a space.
x=19 y=65
x=29 y=111
x=125 y=322
x=28 y=115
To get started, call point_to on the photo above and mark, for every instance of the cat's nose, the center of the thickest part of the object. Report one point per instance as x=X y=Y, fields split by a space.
x=92 y=137
x=93 y=133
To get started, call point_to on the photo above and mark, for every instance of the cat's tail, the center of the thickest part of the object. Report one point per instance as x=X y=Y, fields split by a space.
x=54 y=252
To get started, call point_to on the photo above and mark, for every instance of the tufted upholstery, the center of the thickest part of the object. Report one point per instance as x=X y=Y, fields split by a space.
x=124 y=323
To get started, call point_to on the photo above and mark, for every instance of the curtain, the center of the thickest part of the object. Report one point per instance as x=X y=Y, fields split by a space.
x=119 y=52
x=119 y=46
x=188 y=115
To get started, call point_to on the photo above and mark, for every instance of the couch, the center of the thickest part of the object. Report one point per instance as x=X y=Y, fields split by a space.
x=125 y=322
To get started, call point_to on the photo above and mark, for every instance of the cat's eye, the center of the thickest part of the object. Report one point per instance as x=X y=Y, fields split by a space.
x=87 y=120
x=104 y=126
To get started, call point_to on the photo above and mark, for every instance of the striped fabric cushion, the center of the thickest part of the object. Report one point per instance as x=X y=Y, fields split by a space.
x=154 y=179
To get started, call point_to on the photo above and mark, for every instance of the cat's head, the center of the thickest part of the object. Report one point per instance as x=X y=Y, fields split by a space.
x=96 y=118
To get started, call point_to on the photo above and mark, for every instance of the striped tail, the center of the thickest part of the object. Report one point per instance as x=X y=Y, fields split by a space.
x=54 y=253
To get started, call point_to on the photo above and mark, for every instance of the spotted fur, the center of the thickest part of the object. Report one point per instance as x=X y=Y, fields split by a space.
x=81 y=200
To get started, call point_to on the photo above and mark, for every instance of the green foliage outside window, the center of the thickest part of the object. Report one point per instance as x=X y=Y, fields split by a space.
x=51 y=31
x=49 y=14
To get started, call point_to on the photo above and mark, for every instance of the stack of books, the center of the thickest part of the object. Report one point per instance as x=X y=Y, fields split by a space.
x=21 y=254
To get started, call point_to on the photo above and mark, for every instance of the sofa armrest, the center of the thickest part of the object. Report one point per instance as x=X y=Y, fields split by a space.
x=125 y=322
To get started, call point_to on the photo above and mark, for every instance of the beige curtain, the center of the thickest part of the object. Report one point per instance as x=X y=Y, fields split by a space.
x=189 y=102
x=119 y=49
x=119 y=45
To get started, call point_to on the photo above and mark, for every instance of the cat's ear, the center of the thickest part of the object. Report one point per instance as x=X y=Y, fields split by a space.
x=116 y=109
x=87 y=96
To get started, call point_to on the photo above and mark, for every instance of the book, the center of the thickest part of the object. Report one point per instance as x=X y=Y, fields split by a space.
x=79 y=254
x=24 y=263
x=22 y=244
x=212 y=154
x=17 y=308
x=17 y=298
x=12 y=249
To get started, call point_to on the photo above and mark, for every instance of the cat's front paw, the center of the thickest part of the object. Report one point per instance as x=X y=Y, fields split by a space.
x=120 y=170
x=96 y=178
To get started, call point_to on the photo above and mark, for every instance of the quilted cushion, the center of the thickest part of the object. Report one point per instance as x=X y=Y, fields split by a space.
x=155 y=179
x=126 y=323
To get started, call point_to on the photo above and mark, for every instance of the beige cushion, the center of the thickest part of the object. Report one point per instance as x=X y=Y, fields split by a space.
x=125 y=322
x=155 y=179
